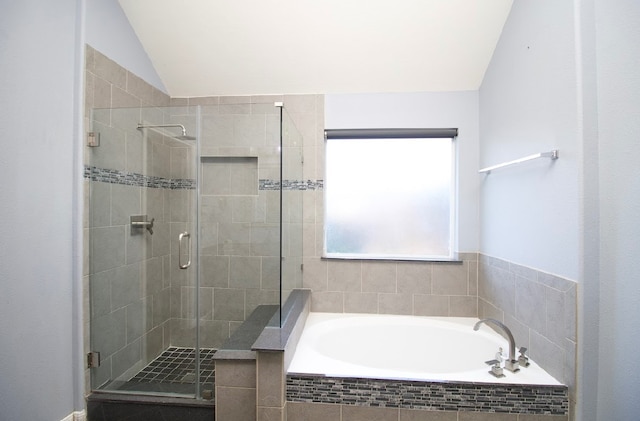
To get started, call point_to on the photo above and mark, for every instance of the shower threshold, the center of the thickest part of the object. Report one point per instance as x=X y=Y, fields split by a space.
x=172 y=372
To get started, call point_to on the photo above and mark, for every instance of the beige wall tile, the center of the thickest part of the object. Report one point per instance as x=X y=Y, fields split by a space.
x=109 y=70
x=395 y=304
x=137 y=87
x=379 y=277
x=344 y=276
x=430 y=305
x=215 y=271
x=330 y=302
x=121 y=98
x=228 y=304
x=450 y=279
x=315 y=274
x=526 y=417
x=271 y=414
x=213 y=333
x=236 y=373
x=463 y=306
x=244 y=272
x=414 y=278
x=235 y=404
x=355 y=302
x=271 y=379
x=485 y=416
x=421 y=415
x=363 y=413
x=298 y=411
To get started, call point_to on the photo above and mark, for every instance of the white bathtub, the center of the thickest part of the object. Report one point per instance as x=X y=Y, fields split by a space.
x=404 y=348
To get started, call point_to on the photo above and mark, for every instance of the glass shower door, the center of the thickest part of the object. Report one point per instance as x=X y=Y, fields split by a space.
x=141 y=178
x=293 y=187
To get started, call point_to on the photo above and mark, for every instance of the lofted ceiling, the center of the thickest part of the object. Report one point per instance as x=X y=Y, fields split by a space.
x=250 y=47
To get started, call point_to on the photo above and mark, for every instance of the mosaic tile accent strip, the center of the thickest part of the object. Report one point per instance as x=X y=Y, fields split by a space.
x=265 y=184
x=134 y=179
x=435 y=396
x=176 y=365
x=105 y=175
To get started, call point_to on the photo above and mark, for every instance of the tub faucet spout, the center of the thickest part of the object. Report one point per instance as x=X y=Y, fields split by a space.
x=512 y=364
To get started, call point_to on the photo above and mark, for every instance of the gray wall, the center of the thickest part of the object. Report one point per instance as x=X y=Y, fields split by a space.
x=109 y=31
x=41 y=73
x=562 y=76
x=42 y=45
x=530 y=213
x=618 y=97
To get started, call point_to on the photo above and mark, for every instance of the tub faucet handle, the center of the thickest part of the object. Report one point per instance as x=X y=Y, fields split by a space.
x=523 y=360
x=496 y=369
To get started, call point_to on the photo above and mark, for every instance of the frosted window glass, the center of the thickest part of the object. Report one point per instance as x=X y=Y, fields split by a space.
x=389 y=198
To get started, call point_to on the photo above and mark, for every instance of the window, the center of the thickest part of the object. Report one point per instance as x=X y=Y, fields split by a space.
x=389 y=194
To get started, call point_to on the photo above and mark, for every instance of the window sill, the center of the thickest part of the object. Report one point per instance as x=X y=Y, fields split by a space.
x=454 y=259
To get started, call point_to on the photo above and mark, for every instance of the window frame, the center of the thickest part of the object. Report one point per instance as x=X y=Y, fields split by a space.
x=401 y=133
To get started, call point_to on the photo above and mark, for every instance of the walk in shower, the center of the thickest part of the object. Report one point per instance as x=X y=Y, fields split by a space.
x=194 y=219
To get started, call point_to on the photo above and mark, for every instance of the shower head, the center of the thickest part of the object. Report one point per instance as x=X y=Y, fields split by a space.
x=183 y=136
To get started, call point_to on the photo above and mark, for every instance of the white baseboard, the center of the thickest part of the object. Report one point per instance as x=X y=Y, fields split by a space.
x=76 y=416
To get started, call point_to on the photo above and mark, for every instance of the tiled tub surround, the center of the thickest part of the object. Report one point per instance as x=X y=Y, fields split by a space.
x=390 y=371
x=539 y=308
x=394 y=287
x=431 y=396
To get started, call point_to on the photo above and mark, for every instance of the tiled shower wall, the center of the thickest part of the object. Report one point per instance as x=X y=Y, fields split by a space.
x=129 y=297
x=240 y=211
x=140 y=302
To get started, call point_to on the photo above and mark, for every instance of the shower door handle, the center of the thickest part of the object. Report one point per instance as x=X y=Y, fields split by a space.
x=182 y=236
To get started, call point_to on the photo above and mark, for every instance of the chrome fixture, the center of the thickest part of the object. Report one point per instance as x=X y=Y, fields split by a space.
x=181 y=237
x=93 y=359
x=511 y=364
x=184 y=135
x=93 y=139
x=141 y=221
x=523 y=360
x=553 y=155
x=496 y=369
